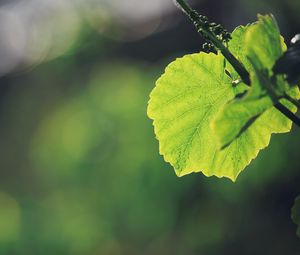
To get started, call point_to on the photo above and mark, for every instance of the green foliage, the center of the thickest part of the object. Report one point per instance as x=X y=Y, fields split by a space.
x=263 y=39
x=182 y=105
x=238 y=115
x=296 y=214
x=206 y=120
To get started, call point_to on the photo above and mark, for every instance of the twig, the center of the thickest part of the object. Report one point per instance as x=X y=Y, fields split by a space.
x=237 y=65
x=292 y=100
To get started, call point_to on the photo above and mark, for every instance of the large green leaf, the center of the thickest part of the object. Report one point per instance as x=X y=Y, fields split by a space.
x=184 y=102
x=185 y=99
x=296 y=214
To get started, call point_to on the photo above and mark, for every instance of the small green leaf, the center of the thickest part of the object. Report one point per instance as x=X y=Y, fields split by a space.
x=238 y=115
x=296 y=214
x=263 y=38
x=264 y=46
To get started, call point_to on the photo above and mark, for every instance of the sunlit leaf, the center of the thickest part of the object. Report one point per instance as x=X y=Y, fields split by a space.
x=185 y=99
x=240 y=114
x=263 y=38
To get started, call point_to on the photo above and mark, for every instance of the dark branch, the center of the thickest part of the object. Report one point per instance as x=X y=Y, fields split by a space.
x=237 y=65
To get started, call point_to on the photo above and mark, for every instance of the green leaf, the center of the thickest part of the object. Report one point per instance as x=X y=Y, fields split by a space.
x=264 y=40
x=264 y=46
x=238 y=115
x=186 y=99
x=296 y=214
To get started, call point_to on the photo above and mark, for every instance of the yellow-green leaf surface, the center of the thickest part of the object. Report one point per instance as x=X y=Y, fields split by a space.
x=264 y=40
x=185 y=99
x=237 y=46
x=265 y=45
x=296 y=214
x=238 y=115
x=183 y=104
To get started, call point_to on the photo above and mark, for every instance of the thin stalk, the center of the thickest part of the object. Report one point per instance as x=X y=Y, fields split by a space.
x=237 y=65
x=288 y=113
x=292 y=100
x=194 y=17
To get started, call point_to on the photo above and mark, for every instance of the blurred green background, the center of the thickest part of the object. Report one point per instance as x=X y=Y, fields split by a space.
x=80 y=171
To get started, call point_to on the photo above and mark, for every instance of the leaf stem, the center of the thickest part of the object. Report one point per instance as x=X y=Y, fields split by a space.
x=200 y=26
x=237 y=65
x=292 y=100
x=288 y=113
